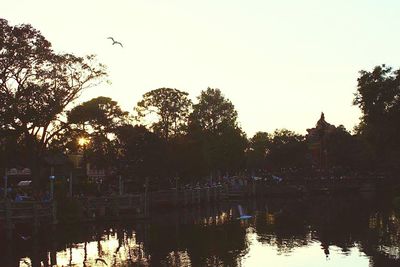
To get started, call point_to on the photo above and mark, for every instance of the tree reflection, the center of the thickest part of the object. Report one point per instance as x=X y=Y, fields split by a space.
x=383 y=241
x=213 y=236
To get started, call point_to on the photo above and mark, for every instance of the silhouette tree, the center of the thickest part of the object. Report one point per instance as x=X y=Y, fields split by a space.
x=213 y=123
x=36 y=86
x=100 y=115
x=167 y=108
x=213 y=112
x=256 y=154
x=287 y=150
x=142 y=153
x=347 y=152
x=378 y=96
x=98 y=119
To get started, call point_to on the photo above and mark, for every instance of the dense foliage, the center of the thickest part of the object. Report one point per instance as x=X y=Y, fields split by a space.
x=378 y=96
x=178 y=141
x=36 y=87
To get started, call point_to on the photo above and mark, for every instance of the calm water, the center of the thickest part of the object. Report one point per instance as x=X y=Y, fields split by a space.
x=322 y=231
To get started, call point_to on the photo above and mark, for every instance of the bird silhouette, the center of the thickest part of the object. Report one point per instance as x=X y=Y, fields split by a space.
x=101 y=260
x=115 y=42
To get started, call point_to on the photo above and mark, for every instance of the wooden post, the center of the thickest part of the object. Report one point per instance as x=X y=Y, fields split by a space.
x=226 y=189
x=185 y=198
x=52 y=182
x=141 y=204
x=192 y=197
x=35 y=219
x=198 y=196
x=176 y=197
x=121 y=185
x=9 y=225
x=222 y=191
x=5 y=185
x=130 y=202
x=53 y=253
x=146 y=204
x=208 y=195
x=54 y=212
x=70 y=184
x=116 y=206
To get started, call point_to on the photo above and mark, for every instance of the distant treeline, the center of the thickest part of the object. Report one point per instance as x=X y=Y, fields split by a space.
x=167 y=135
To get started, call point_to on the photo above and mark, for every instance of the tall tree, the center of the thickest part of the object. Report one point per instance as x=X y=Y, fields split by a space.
x=213 y=123
x=378 y=96
x=213 y=112
x=36 y=85
x=171 y=108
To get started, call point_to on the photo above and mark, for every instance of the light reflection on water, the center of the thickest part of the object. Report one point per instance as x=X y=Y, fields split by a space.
x=322 y=232
x=310 y=254
x=110 y=250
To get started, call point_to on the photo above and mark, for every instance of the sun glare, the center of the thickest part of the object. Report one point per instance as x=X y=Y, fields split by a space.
x=83 y=141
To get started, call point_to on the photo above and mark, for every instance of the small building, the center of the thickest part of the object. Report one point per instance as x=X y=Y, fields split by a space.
x=317 y=139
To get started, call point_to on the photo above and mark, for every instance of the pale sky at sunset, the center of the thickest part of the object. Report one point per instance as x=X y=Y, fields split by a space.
x=280 y=62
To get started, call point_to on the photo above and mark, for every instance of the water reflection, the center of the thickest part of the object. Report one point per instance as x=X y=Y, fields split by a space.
x=112 y=248
x=323 y=231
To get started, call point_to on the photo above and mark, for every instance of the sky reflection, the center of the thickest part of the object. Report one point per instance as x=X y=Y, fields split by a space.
x=294 y=234
x=310 y=255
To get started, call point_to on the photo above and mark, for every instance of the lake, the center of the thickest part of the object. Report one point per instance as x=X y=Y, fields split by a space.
x=351 y=230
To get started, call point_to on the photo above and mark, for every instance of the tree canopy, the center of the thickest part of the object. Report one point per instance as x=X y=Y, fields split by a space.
x=170 y=107
x=213 y=112
x=378 y=96
x=257 y=151
x=101 y=114
x=213 y=123
x=37 y=85
x=96 y=120
x=286 y=150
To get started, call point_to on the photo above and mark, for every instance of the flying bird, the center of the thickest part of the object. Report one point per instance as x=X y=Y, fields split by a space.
x=115 y=42
x=101 y=260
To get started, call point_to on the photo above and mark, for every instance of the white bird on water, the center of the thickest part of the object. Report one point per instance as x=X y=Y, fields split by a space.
x=115 y=42
x=25 y=237
x=242 y=215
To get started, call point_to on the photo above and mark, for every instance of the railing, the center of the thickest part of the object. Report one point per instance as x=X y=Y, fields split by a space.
x=186 y=197
x=93 y=207
x=25 y=210
x=29 y=212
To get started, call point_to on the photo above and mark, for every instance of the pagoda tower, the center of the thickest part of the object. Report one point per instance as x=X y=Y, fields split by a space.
x=317 y=139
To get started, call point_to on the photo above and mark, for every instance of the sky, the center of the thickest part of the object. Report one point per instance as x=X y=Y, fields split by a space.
x=281 y=63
